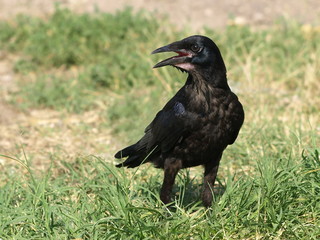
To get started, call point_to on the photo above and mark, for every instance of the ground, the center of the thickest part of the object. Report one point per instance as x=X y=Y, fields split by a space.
x=32 y=129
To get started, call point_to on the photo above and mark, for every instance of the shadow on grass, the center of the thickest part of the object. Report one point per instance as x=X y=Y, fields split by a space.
x=186 y=193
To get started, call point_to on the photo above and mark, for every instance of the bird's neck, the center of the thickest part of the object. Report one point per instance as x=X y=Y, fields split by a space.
x=211 y=77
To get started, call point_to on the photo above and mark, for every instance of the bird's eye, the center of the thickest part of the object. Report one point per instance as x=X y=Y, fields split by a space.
x=195 y=48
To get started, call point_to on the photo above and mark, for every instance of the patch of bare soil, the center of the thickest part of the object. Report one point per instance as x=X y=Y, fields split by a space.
x=43 y=133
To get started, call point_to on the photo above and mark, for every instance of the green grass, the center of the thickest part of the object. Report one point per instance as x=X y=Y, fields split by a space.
x=91 y=53
x=91 y=199
x=101 y=62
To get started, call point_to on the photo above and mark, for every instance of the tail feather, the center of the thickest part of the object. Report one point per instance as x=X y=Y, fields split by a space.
x=125 y=152
x=135 y=156
x=130 y=162
x=138 y=153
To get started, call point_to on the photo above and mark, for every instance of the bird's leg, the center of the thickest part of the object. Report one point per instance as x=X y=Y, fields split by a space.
x=171 y=168
x=210 y=174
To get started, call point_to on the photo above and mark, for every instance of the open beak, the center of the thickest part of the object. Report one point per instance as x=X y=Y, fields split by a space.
x=183 y=57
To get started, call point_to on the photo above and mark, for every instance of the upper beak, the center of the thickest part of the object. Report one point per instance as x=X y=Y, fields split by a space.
x=173 y=47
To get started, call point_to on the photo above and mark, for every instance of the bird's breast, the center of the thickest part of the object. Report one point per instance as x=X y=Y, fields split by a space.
x=216 y=116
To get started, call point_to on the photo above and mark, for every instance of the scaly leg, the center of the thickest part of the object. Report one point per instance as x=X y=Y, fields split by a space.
x=210 y=174
x=171 y=168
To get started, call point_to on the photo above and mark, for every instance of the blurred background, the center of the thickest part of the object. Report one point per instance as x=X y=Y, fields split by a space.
x=211 y=13
x=76 y=75
x=77 y=84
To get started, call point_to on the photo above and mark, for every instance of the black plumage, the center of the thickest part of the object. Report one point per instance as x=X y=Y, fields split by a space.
x=197 y=124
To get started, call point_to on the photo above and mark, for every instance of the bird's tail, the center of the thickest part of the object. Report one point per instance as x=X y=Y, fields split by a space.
x=135 y=157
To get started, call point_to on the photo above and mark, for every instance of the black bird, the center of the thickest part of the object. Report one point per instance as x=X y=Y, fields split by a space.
x=197 y=124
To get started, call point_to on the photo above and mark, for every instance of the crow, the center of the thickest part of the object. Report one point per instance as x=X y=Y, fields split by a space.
x=197 y=124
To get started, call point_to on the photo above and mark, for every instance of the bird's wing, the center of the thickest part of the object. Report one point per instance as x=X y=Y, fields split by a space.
x=168 y=127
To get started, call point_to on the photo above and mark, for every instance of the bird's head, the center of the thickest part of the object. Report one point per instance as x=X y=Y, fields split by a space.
x=195 y=54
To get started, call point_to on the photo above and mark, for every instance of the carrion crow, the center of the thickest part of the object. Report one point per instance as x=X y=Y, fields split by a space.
x=197 y=124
